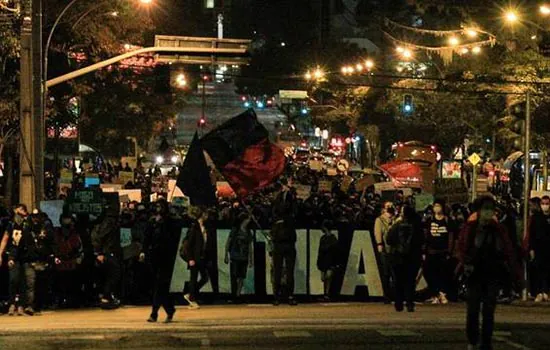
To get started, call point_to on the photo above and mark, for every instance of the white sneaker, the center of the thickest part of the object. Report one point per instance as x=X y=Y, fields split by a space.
x=539 y=298
x=545 y=296
x=443 y=298
x=193 y=305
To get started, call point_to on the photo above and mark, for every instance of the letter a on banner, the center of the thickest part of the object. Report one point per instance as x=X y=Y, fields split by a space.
x=362 y=249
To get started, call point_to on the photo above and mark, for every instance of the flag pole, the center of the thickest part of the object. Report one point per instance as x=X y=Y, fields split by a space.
x=255 y=220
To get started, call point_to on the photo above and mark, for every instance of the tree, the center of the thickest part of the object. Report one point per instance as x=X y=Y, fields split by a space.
x=120 y=100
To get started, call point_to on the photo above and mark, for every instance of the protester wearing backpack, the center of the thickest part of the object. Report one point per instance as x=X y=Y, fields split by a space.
x=404 y=247
x=239 y=253
x=487 y=257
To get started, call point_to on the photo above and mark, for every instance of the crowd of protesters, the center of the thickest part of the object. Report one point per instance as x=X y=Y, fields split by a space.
x=82 y=262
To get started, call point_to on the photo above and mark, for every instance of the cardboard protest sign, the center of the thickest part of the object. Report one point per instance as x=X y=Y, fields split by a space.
x=303 y=191
x=173 y=191
x=316 y=165
x=125 y=237
x=66 y=176
x=332 y=172
x=53 y=209
x=87 y=201
x=451 y=191
x=125 y=176
x=325 y=186
x=346 y=183
x=362 y=184
x=133 y=195
x=422 y=201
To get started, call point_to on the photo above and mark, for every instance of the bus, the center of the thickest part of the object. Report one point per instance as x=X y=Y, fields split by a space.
x=421 y=154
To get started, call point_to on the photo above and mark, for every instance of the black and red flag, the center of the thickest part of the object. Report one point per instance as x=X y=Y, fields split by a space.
x=241 y=150
x=194 y=177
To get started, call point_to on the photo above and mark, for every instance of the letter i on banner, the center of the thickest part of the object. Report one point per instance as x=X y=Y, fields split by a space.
x=361 y=246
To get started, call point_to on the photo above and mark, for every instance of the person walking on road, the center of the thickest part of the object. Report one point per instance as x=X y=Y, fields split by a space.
x=283 y=236
x=539 y=250
x=198 y=243
x=161 y=238
x=439 y=232
x=487 y=257
x=239 y=253
x=405 y=240
x=382 y=226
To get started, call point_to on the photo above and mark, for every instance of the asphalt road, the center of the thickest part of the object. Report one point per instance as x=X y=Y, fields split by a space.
x=222 y=103
x=311 y=326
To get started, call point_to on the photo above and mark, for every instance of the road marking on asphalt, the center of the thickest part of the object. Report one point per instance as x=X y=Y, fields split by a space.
x=292 y=334
x=80 y=337
x=189 y=336
x=259 y=305
x=511 y=343
x=335 y=304
x=398 y=333
x=205 y=342
x=502 y=334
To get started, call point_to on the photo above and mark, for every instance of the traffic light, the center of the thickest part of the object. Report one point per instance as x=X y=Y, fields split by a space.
x=408 y=106
x=511 y=128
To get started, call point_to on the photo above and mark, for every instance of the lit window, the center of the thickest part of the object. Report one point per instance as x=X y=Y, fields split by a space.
x=209 y=4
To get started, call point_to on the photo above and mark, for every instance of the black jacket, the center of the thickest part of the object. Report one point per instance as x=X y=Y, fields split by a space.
x=198 y=250
x=34 y=244
x=106 y=237
x=161 y=240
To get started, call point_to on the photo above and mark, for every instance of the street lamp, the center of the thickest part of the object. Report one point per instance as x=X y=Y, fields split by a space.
x=544 y=10
x=511 y=16
x=453 y=41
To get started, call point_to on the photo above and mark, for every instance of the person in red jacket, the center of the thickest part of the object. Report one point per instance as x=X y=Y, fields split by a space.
x=487 y=257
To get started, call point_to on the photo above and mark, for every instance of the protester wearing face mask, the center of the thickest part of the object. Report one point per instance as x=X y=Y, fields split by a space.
x=487 y=258
x=160 y=245
x=439 y=231
x=539 y=250
x=68 y=257
x=382 y=226
x=18 y=233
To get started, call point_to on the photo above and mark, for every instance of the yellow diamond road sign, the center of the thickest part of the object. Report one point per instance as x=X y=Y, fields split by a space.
x=474 y=159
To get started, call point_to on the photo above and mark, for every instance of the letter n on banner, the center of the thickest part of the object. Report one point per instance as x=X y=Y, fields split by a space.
x=362 y=252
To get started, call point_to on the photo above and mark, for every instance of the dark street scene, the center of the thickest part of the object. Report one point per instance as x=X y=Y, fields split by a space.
x=260 y=174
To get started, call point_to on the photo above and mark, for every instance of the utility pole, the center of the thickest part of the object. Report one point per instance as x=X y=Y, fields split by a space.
x=31 y=174
x=38 y=101
x=526 y=174
x=26 y=149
